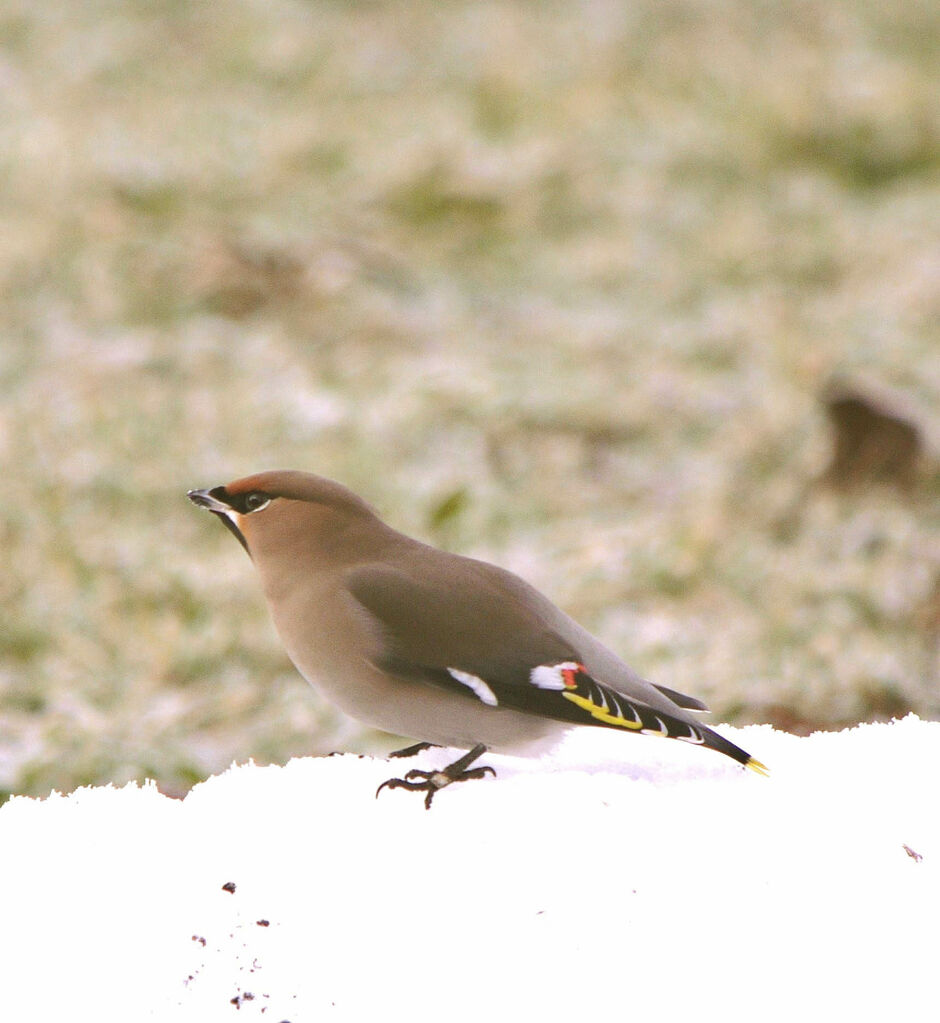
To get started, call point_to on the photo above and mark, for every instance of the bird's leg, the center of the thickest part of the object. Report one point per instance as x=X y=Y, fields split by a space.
x=432 y=782
x=413 y=751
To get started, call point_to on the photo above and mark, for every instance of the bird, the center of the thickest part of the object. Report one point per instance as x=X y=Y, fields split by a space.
x=420 y=642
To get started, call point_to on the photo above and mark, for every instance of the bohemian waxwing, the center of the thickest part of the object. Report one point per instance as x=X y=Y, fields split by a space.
x=419 y=642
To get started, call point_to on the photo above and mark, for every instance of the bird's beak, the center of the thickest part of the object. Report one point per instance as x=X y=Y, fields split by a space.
x=206 y=499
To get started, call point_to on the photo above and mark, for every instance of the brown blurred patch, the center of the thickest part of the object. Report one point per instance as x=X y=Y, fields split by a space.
x=927 y=622
x=787 y=718
x=871 y=443
x=882 y=701
x=927 y=614
x=236 y=280
x=876 y=702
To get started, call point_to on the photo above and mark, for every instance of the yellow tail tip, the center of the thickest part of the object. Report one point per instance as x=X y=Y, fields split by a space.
x=756 y=765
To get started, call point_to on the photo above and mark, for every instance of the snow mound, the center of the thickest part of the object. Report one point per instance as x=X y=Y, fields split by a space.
x=618 y=876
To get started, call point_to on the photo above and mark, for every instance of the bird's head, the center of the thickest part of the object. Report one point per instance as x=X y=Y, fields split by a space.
x=282 y=511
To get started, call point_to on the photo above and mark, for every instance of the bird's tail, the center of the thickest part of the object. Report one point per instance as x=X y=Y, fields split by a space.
x=712 y=740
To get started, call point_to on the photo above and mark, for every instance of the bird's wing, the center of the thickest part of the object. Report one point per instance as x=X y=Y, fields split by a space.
x=430 y=621
x=682 y=700
x=473 y=639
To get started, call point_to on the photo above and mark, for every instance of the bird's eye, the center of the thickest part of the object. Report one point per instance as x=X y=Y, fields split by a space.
x=256 y=500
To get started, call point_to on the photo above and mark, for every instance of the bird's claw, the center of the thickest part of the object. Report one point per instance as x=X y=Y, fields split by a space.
x=432 y=782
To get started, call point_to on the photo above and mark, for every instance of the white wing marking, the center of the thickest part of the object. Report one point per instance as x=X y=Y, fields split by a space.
x=548 y=676
x=663 y=730
x=477 y=685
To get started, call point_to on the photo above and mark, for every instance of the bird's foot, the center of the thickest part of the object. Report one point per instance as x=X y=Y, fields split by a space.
x=412 y=751
x=432 y=782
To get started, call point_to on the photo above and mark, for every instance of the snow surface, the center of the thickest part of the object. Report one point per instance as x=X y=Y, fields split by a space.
x=618 y=876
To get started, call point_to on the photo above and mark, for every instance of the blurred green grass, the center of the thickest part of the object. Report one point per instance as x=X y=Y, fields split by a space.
x=554 y=284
